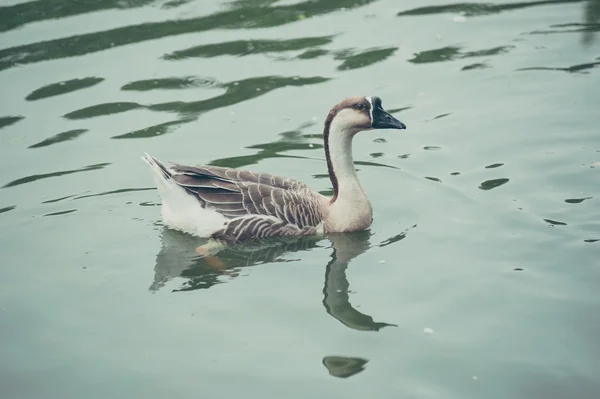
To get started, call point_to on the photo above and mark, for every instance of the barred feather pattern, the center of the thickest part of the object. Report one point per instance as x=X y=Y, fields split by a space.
x=258 y=205
x=260 y=226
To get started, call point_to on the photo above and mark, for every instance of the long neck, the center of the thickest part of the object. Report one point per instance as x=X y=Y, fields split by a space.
x=338 y=150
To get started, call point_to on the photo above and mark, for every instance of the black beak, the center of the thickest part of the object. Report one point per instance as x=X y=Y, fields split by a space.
x=383 y=120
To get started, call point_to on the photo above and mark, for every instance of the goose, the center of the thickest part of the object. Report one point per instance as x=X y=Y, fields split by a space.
x=230 y=205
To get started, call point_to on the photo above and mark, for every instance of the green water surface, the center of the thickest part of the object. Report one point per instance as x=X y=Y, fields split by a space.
x=479 y=277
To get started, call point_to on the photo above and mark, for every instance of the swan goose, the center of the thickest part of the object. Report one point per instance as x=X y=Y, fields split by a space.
x=231 y=205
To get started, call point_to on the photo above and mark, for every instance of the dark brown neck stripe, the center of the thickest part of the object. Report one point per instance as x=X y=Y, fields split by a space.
x=347 y=103
x=332 y=175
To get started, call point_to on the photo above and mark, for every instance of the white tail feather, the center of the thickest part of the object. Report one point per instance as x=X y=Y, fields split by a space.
x=180 y=210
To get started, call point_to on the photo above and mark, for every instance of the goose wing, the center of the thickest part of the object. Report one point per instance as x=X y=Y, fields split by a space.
x=237 y=193
x=239 y=175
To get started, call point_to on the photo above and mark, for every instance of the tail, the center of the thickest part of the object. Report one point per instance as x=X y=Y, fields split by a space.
x=157 y=167
x=180 y=210
x=163 y=179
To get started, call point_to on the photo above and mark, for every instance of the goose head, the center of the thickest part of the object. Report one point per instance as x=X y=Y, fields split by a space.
x=356 y=114
x=349 y=117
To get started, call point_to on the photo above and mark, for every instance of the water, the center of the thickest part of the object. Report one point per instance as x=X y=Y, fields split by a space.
x=478 y=277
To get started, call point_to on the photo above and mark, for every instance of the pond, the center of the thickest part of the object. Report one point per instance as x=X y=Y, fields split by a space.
x=477 y=279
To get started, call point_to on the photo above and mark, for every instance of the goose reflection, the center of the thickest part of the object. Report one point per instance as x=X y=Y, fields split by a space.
x=335 y=291
x=178 y=257
x=344 y=366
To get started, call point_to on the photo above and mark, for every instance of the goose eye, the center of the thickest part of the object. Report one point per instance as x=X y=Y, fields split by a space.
x=360 y=106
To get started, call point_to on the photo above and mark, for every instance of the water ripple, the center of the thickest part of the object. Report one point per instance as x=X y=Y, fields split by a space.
x=64 y=87
x=554 y=222
x=9 y=120
x=171 y=83
x=102 y=110
x=450 y=53
x=579 y=68
x=175 y=3
x=156 y=130
x=250 y=17
x=490 y=184
x=577 y=200
x=289 y=141
x=435 y=179
x=479 y=9
x=365 y=58
x=440 y=116
x=60 y=137
x=396 y=110
x=312 y=54
x=369 y=163
x=7 y=208
x=33 y=178
x=494 y=165
x=243 y=48
x=21 y=14
x=477 y=65
x=119 y=191
x=60 y=212
x=589 y=29
x=235 y=92
x=51 y=201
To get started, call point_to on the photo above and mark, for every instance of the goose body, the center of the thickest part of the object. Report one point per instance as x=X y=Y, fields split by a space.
x=233 y=205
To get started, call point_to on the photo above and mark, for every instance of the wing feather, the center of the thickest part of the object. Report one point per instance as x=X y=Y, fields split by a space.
x=239 y=194
x=259 y=226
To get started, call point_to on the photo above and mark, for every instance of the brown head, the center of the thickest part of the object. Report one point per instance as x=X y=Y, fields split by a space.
x=349 y=117
x=355 y=114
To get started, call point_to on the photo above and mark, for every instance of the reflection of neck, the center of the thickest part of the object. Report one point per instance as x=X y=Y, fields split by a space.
x=338 y=150
x=335 y=292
